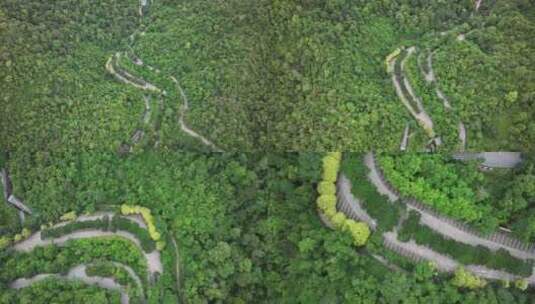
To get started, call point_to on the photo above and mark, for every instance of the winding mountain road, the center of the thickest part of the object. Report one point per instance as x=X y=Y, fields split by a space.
x=183 y=125
x=153 y=259
x=417 y=252
x=444 y=226
x=76 y=273
x=419 y=114
x=492 y=159
x=443 y=262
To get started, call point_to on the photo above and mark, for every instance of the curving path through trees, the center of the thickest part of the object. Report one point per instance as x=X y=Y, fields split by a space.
x=122 y=75
x=183 y=109
x=418 y=252
x=448 y=227
x=400 y=82
x=77 y=273
x=153 y=259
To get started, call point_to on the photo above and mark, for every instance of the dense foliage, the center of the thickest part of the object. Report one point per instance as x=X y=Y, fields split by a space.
x=59 y=291
x=104 y=224
x=284 y=75
x=433 y=180
x=489 y=76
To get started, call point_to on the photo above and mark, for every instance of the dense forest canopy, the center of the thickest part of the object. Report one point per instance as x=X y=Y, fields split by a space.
x=283 y=75
x=178 y=151
x=246 y=228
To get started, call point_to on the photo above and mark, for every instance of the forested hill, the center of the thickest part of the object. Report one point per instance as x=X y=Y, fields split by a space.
x=252 y=75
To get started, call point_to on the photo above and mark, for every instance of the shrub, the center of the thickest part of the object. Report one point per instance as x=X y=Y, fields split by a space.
x=466 y=279
x=521 y=284
x=25 y=233
x=359 y=231
x=69 y=216
x=331 y=165
x=327 y=201
x=338 y=220
x=147 y=216
x=109 y=269
x=5 y=241
x=55 y=232
x=326 y=188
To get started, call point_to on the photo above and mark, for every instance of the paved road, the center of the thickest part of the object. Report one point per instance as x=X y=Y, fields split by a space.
x=493 y=159
x=440 y=225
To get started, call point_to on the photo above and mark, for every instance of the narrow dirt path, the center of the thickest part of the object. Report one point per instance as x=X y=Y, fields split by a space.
x=183 y=125
x=462 y=136
x=76 y=273
x=132 y=274
x=405 y=139
x=177 y=265
x=478 y=4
